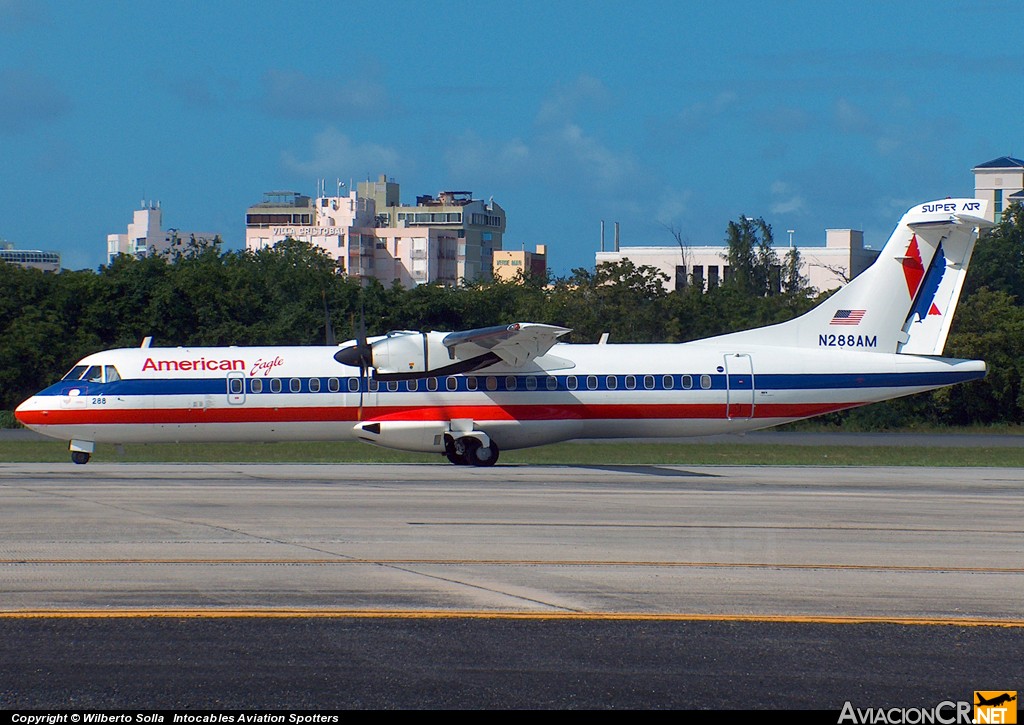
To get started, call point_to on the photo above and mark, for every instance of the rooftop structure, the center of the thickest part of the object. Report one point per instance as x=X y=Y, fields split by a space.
x=1001 y=182
x=29 y=258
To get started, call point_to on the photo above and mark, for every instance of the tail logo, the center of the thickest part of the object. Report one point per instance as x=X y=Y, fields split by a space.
x=913 y=267
x=925 y=305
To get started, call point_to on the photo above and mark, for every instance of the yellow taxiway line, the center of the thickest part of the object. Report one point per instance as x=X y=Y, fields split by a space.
x=318 y=613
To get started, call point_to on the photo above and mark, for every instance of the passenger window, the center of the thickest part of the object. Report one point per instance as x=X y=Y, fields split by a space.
x=393 y=386
x=111 y=374
x=256 y=385
x=687 y=382
x=373 y=385
x=353 y=385
x=570 y=382
x=451 y=383
x=471 y=383
x=705 y=382
x=649 y=382
x=295 y=385
x=412 y=386
x=667 y=382
x=531 y=382
x=333 y=385
x=314 y=385
x=432 y=384
x=236 y=386
x=592 y=382
x=630 y=382
x=612 y=382
x=275 y=385
x=510 y=382
x=492 y=382
x=552 y=383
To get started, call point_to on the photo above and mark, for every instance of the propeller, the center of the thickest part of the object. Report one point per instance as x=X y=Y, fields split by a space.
x=359 y=355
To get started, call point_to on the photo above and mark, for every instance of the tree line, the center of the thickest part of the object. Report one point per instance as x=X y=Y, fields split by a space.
x=293 y=294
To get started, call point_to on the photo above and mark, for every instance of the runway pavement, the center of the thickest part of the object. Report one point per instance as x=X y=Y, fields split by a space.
x=785 y=559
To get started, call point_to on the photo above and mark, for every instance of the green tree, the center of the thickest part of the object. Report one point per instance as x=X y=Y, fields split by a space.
x=753 y=264
x=998 y=261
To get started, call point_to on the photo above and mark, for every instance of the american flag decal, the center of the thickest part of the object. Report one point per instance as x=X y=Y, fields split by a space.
x=847 y=317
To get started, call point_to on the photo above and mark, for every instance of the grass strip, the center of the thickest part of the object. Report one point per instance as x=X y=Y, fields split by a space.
x=610 y=453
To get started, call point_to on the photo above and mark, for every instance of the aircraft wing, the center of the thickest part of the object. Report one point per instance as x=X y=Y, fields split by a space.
x=515 y=344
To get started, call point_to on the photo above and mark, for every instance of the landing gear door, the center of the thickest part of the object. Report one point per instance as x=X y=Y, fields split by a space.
x=236 y=388
x=739 y=375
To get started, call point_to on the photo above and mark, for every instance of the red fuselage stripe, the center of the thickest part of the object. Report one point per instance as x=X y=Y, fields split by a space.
x=190 y=416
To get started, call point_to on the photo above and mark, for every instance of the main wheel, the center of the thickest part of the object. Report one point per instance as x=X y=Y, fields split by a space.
x=483 y=455
x=80 y=457
x=455 y=451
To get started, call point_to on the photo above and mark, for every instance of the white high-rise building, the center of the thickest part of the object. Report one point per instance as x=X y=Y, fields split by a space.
x=146 y=237
x=448 y=239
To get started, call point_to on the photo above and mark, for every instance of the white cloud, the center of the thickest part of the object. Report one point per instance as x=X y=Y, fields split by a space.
x=566 y=101
x=471 y=156
x=570 y=148
x=700 y=116
x=786 y=200
x=334 y=153
x=851 y=119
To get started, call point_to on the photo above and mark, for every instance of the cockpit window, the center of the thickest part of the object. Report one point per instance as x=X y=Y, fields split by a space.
x=110 y=373
x=94 y=374
x=76 y=372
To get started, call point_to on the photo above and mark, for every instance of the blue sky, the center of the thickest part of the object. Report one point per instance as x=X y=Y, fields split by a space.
x=814 y=115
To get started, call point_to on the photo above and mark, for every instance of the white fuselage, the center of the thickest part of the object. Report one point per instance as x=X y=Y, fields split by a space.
x=573 y=391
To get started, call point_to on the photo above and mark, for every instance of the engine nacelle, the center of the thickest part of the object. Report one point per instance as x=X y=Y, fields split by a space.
x=410 y=352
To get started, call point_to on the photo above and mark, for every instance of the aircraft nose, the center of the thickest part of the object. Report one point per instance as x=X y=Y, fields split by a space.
x=22 y=412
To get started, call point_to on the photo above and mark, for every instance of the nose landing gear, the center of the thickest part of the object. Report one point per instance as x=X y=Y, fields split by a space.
x=81 y=451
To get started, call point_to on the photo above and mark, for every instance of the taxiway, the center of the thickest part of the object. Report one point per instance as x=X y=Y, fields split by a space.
x=116 y=548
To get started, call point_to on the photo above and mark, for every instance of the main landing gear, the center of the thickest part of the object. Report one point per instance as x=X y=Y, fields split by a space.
x=469 y=451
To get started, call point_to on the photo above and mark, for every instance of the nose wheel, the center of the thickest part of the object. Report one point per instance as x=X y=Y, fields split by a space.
x=80 y=457
x=468 y=451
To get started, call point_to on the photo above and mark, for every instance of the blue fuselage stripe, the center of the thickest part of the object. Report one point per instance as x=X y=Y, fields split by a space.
x=563 y=383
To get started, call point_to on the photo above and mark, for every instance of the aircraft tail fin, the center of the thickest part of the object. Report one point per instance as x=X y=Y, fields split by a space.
x=904 y=302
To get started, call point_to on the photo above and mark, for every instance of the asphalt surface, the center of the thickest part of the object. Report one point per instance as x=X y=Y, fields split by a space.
x=316 y=587
x=332 y=664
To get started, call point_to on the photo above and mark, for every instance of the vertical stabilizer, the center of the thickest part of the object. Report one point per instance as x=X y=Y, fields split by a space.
x=904 y=302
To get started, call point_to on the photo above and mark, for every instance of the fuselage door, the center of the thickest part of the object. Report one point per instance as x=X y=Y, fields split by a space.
x=236 y=388
x=739 y=375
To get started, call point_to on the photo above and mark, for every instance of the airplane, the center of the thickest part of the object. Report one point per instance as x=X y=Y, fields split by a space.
x=469 y=395
x=995 y=701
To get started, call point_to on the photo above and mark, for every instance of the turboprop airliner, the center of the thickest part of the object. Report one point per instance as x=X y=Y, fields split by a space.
x=468 y=395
